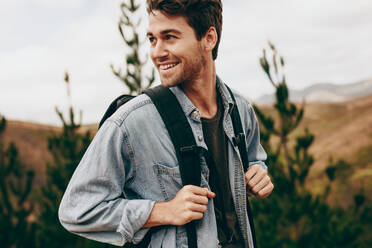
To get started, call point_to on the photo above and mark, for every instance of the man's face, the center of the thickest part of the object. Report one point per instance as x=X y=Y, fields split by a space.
x=174 y=49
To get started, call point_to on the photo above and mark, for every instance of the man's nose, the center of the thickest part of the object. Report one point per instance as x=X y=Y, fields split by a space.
x=158 y=51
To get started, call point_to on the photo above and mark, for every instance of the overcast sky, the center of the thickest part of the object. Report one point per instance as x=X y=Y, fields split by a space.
x=321 y=41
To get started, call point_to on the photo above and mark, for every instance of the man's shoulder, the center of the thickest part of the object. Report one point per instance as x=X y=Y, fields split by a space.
x=137 y=109
x=241 y=98
x=243 y=102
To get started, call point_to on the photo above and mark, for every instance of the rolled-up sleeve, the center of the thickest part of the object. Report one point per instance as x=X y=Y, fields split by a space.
x=94 y=205
x=256 y=153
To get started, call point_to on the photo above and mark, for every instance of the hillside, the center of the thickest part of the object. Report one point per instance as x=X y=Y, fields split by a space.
x=31 y=140
x=326 y=93
x=342 y=131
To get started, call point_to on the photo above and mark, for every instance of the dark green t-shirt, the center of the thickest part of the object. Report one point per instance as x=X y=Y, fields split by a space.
x=229 y=233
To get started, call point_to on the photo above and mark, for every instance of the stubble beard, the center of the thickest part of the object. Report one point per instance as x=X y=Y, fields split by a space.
x=190 y=71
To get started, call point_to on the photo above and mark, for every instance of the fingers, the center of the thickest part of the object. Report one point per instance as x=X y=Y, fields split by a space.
x=211 y=194
x=252 y=170
x=196 y=216
x=261 y=184
x=266 y=191
x=254 y=175
x=200 y=191
x=189 y=204
x=199 y=199
x=197 y=207
x=258 y=182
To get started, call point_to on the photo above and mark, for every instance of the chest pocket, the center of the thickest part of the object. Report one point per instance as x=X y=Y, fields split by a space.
x=169 y=179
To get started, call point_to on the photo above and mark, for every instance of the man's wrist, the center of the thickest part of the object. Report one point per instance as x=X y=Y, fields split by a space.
x=160 y=215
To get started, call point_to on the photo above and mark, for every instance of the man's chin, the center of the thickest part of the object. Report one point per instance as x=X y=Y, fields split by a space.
x=168 y=83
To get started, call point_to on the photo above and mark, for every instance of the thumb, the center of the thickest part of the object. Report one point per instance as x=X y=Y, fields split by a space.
x=211 y=194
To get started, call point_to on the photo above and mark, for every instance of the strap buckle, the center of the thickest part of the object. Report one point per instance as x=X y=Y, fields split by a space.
x=238 y=139
x=192 y=149
x=188 y=149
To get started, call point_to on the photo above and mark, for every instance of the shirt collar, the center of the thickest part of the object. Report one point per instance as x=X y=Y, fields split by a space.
x=189 y=108
x=227 y=100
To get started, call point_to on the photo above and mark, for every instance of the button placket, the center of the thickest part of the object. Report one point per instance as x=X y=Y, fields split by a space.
x=195 y=115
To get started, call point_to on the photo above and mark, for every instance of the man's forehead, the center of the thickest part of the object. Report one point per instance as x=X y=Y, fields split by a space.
x=158 y=22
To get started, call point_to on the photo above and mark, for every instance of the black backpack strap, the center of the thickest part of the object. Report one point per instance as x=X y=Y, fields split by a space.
x=187 y=152
x=239 y=139
x=114 y=106
x=240 y=142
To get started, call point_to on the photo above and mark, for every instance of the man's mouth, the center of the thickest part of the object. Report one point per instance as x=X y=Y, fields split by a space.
x=168 y=66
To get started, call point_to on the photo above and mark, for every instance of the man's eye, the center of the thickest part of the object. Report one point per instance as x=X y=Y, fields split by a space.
x=151 y=39
x=168 y=37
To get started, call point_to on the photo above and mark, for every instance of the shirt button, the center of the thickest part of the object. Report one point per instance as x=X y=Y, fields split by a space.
x=194 y=114
x=200 y=138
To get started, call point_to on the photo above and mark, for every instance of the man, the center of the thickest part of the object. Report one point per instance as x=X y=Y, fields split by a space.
x=129 y=179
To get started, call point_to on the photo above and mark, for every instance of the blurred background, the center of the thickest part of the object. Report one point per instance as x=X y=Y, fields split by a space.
x=303 y=64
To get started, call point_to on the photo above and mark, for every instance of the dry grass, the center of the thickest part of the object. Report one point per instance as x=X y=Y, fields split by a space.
x=342 y=131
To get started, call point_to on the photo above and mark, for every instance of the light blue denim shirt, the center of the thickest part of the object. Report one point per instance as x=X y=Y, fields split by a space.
x=131 y=164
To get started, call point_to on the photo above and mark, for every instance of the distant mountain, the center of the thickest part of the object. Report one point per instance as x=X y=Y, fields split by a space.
x=326 y=92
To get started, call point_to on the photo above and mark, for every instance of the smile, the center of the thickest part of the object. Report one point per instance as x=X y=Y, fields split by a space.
x=167 y=66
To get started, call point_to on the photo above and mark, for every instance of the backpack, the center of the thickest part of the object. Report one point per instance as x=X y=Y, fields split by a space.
x=187 y=152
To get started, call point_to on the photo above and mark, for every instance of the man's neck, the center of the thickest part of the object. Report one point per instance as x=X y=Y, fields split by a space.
x=202 y=92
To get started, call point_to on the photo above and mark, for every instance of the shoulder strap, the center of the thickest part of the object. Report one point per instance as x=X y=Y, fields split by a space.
x=180 y=132
x=187 y=152
x=239 y=140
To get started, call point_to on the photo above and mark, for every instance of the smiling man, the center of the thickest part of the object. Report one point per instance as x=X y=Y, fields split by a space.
x=128 y=188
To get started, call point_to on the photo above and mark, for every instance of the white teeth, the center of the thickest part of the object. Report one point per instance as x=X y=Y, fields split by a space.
x=165 y=67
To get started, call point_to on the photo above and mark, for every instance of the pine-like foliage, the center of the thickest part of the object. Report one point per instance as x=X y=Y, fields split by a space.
x=129 y=23
x=292 y=216
x=67 y=149
x=15 y=206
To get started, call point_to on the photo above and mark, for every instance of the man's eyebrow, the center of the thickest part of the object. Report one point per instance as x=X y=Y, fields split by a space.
x=166 y=31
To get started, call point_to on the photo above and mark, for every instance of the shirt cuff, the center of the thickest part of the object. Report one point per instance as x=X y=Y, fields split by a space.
x=135 y=216
x=262 y=164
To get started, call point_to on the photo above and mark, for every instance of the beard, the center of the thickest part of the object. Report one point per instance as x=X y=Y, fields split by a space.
x=190 y=69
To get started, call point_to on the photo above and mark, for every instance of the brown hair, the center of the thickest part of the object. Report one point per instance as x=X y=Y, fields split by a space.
x=199 y=14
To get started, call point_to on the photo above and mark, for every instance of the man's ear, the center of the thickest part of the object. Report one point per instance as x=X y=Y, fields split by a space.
x=210 y=39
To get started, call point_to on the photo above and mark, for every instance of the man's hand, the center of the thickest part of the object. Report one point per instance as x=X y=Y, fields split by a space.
x=258 y=182
x=189 y=204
